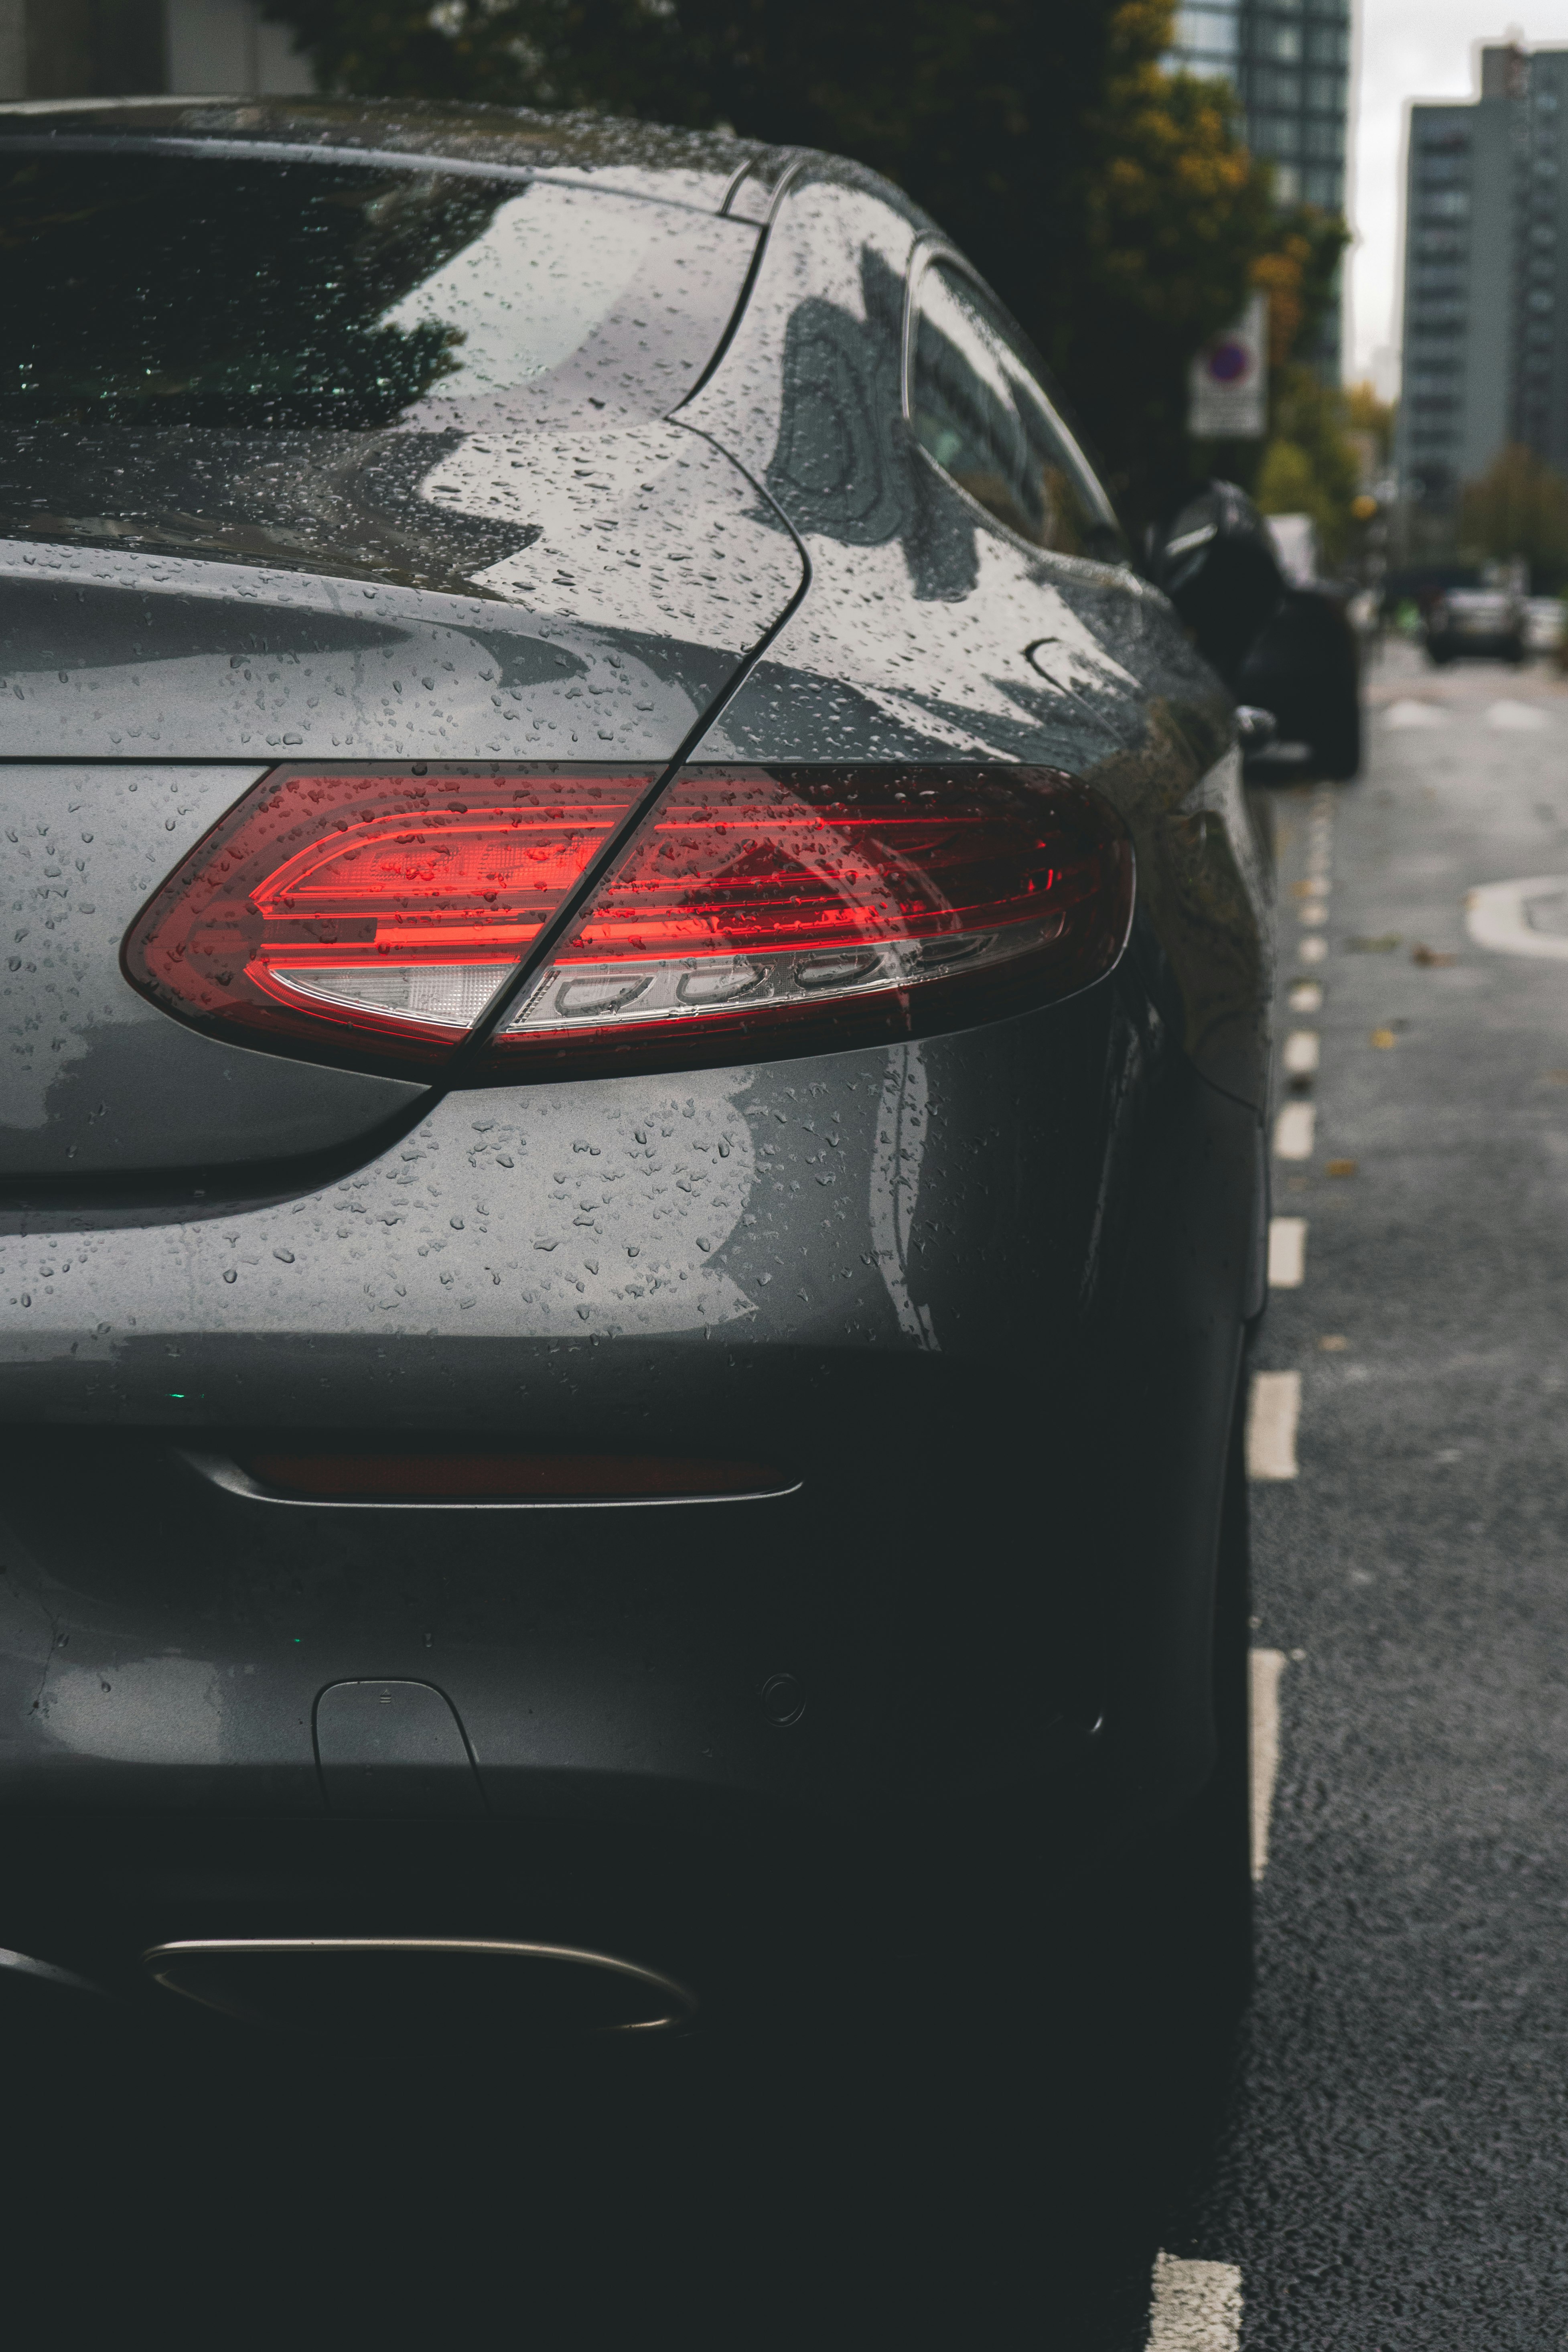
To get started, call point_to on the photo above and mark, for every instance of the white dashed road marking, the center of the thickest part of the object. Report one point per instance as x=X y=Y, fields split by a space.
x=1516 y=714
x=1287 y=1253
x=1273 y=1409
x=1267 y=1666
x=1497 y=916
x=1295 y=1129
x=1196 y=2306
x=1414 y=714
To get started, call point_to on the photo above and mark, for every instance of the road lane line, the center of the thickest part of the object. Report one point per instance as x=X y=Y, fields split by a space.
x=1273 y=1409
x=1407 y=713
x=1287 y=1253
x=1497 y=916
x=1507 y=714
x=1301 y=1052
x=1195 y=2307
x=1311 y=950
x=1294 y=1131
x=1306 y=996
x=1266 y=1668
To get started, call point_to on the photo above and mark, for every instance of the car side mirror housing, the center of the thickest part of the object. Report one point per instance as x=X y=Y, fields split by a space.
x=1216 y=561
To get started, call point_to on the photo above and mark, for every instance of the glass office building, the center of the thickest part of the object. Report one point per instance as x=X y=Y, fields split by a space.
x=1289 y=62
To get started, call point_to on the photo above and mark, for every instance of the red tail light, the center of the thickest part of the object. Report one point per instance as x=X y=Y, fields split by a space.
x=753 y=910
x=767 y=901
x=381 y=908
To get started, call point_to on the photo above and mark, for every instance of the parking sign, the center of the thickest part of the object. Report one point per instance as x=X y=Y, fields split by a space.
x=1228 y=380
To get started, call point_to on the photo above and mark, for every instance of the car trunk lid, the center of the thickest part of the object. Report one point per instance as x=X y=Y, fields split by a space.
x=142 y=693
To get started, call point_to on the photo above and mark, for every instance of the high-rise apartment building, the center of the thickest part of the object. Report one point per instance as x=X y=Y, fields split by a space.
x=1288 y=62
x=1486 y=276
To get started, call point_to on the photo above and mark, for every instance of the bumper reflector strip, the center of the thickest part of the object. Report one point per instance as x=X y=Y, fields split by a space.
x=542 y=1477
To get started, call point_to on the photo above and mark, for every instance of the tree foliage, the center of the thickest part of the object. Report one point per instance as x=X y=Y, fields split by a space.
x=1365 y=413
x=1297 y=268
x=1518 y=507
x=1112 y=203
x=1308 y=466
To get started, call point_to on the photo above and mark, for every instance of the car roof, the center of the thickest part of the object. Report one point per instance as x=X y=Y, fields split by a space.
x=710 y=172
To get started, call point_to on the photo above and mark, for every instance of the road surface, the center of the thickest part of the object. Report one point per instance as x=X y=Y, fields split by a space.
x=1390 y=2169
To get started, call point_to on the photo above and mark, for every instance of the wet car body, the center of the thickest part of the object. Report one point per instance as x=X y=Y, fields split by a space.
x=958 y=1315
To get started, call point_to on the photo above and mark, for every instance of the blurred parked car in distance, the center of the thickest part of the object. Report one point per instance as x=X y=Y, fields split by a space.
x=1485 y=622
x=1247 y=588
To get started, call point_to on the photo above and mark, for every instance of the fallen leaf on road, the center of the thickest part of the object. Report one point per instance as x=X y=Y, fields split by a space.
x=1332 y=1342
x=1339 y=1168
x=1419 y=954
x=1384 y=1037
x=1383 y=946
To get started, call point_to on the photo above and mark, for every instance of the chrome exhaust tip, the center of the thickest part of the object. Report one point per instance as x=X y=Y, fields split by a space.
x=438 y=1987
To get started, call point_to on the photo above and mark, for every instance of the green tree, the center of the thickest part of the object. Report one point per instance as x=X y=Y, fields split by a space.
x=1297 y=268
x=1365 y=413
x=1112 y=203
x=1304 y=463
x=1518 y=507
x=1309 y=465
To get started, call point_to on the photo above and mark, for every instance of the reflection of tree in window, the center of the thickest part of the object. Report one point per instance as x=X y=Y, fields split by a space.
x=156 y=289
x=145 y=288
x=1062 y=512
x=977 y=409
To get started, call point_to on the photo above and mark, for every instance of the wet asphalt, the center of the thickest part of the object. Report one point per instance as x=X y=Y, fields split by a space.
x=1389 y=2169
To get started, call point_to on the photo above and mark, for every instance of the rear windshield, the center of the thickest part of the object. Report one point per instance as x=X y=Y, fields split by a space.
x=143 y=287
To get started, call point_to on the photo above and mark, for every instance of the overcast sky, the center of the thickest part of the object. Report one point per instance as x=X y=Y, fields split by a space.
x=1413 y=48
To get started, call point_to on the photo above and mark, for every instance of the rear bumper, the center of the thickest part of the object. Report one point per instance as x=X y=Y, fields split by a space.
x=981 y=1298
x=625 y=1780
x=904 y=1631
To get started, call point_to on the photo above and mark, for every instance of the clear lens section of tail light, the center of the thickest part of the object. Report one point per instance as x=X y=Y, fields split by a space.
x=852 y=902
x=382 y=907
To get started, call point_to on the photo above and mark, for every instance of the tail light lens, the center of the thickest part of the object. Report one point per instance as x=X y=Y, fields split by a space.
x=382 y=910
x=753 y=910
x=844 y=903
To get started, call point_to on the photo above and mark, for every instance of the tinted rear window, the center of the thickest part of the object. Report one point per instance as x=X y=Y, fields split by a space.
x=143 y=286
